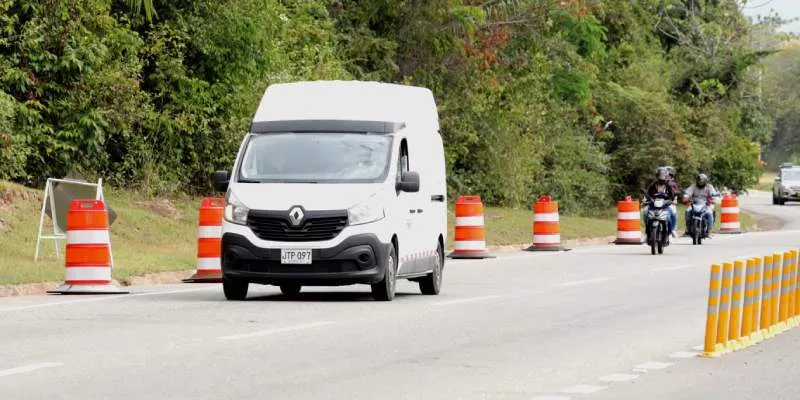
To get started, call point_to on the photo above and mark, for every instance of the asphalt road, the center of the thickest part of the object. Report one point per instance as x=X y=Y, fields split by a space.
x=601 y=322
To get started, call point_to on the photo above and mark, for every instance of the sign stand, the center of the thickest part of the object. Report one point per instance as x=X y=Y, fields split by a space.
x=49 y=197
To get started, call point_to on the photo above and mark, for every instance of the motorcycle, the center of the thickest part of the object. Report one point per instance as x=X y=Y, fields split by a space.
x=698 y=228
x=658 y=224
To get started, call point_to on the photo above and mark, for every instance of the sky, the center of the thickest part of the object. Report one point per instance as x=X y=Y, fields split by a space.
x=786 y=8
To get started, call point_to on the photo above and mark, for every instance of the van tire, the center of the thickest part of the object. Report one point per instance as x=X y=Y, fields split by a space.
x=384 y=290
x=234 y=289
x=431 y=284
x=290 y=290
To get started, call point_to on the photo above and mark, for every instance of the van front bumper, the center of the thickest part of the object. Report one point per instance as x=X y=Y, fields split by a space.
x=357 y=259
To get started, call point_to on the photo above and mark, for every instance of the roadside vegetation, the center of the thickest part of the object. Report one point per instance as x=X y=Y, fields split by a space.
x=766 y=182
x=158 y=235
x=580 y=99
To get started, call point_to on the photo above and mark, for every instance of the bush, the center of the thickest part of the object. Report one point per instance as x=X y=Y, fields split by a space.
x=736 y=167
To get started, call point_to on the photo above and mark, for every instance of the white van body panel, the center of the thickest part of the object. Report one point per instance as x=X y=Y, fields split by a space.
x=408 y=115
x=350 y=100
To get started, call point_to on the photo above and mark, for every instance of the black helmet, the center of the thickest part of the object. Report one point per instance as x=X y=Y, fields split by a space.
x=662 y=175
x=702 y=180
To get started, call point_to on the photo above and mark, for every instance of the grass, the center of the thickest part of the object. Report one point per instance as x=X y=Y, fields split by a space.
x=159 y=235
x=513 y=226
x=766 y=181
x=505 y=226
x=147 y=236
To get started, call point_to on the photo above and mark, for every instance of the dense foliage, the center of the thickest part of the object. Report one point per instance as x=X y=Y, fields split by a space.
x=578 y=98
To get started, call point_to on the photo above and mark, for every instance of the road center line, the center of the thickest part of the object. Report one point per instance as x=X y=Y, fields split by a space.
x=94 y=299
x=651 y=366
x=551 y=398
x=277 y=330
x=584 y=282
x=28 y=368
x=684 y=354
x=467 y=300
x=582 y=389
x=618 y=378
x=673 y=268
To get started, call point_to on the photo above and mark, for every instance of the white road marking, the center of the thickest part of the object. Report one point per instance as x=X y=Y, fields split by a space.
x=278 y=330
x=619 y=378
x=28 y=368
x=673 y=268
x=174 y=291
x=582 y=389
x=651 y=366
x=552 y=398
x=699 y=347
x=467 y=300
x=684 y=354
x=584 y=282
x=101 y=298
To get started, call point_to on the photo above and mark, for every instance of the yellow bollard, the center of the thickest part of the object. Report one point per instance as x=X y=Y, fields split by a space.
x=710 y=348
x=747 y=309
x=777 y=271
x=795 y=254
x=793 y=291
x=766 y=298
x=756 y=335
x=735 y=324
x=786 y=280
x=725 y=307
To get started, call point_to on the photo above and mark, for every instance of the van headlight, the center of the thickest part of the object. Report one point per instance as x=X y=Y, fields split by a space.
x=235 y=211
x=366 y=212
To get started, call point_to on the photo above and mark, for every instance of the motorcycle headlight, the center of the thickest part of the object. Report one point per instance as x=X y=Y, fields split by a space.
x=365 y=212
x=235 y=211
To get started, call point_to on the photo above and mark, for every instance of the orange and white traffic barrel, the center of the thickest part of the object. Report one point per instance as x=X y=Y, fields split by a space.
x=546 y=225
x=88 y=256
x=209 y=242
x=470 y=232
x=729 y=221
x=629 y=230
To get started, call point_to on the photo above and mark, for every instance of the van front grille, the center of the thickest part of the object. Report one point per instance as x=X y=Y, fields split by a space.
x=316 y=226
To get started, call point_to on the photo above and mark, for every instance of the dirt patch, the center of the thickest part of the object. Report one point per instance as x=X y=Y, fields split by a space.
x=27 y=289
x=158 y=278
x=9 y=197
x=567 y=244
x=766 y=222
x=162 y=207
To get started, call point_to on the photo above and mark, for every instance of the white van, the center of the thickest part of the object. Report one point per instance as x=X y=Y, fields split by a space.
x=337 y=183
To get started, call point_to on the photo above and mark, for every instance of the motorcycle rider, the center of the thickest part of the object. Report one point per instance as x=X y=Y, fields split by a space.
x=663 y=189
x=674 y=208
x=702 y=192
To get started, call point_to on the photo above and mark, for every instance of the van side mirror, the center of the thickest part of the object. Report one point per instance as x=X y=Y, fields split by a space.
x=409 y=182
x=221 y=180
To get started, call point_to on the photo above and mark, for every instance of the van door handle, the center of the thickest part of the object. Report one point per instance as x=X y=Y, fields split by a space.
x=437 y=197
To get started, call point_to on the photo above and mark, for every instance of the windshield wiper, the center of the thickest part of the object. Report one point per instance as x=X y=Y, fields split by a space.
x=248 y=181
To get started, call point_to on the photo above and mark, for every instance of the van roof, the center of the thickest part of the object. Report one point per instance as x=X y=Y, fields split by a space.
x=351 y=101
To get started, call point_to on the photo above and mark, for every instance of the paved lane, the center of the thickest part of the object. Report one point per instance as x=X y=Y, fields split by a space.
x=597 y=321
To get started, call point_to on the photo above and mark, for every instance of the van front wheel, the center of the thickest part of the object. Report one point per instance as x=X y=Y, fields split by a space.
x=431 y=284
x=234 y=289
x=384 y=290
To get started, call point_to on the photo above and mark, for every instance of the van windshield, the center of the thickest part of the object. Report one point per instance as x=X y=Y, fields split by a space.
x=316 y=158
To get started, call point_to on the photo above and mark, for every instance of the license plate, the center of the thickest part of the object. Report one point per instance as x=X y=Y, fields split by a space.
x=295 y=256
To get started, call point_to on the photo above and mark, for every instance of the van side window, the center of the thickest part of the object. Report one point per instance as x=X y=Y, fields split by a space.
x=402 y=161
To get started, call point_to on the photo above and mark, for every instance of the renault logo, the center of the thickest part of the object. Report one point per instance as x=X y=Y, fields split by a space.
x=296 y=216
